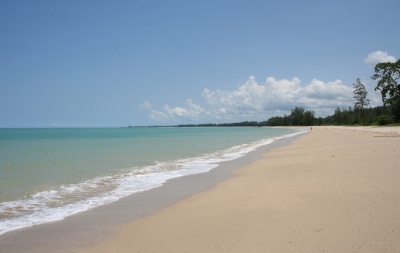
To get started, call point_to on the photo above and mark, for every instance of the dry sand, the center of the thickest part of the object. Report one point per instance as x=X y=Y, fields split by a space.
x=334 y=190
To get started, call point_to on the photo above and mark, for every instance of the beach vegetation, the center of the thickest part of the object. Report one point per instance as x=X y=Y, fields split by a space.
x=379 y=115
x=349 y=116
x=384 y=120
x=388 y=76
x=298 y=117
x=360 y=95
x=342 y=116
x=308 y=118
x=320 y=121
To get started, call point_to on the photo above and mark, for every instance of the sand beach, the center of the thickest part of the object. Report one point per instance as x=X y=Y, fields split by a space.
x=335 y=189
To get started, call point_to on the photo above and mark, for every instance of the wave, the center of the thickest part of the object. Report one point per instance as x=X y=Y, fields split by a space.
x=58 y=203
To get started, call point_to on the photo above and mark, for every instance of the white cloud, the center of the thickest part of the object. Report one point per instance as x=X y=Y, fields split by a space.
x=192 y=111
x=145 y=105
x=378 y=57
x=176 y=112
x=330 y=91
x=253 y=101
x=246 y=98
x=282 y=92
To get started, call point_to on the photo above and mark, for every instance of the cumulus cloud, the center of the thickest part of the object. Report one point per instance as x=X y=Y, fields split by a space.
x=176 y=112
x=254 y=101
x=330 y=91
x=378 y=57
x=252 y=98
x=241 y=99
x=192 y=111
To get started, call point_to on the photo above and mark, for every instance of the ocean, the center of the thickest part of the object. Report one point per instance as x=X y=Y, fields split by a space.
x=51 y=173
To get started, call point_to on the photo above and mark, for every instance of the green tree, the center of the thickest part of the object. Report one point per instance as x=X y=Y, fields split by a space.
x=320 y=121
x=395 y=110
x=388 y=74
x=297 y=115
x=360 y=94
x=346 y=116
x=308 y=118
x=275 y=121
x=287 y=121
x=337 y=116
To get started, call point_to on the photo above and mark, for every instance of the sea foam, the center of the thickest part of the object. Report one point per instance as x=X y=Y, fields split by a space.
x=58 y=203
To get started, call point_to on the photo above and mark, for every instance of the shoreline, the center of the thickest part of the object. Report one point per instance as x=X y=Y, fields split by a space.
x=334 y=190
x=95 y=225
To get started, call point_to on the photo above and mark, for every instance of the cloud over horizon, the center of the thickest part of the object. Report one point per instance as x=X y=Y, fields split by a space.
x=254 y=101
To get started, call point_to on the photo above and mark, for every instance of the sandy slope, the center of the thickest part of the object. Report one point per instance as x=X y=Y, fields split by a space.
x=336 y=189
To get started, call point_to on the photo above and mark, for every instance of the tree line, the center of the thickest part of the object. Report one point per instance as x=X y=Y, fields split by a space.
x=300 y=117
x=387 y=74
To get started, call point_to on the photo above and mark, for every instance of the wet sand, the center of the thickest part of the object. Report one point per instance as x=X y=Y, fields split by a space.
x=96 y=225
x=334 y=190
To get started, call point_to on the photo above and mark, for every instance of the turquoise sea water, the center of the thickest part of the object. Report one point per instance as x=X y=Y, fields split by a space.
x=48 y=174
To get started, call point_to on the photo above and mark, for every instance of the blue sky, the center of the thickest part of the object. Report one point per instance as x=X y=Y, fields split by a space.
x=119 y=63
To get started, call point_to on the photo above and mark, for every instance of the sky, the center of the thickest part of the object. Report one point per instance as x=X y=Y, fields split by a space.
x=118 y=63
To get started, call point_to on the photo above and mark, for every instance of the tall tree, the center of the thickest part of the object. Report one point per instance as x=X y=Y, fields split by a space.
x=388 y=74
x=337 y=116
x=308 y=118
x=360 y=94
x=297 y=115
